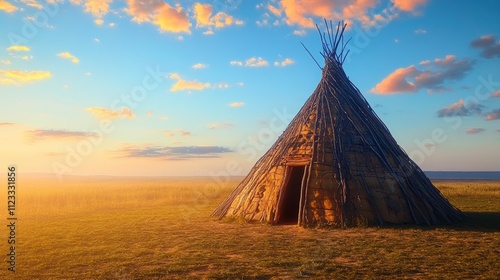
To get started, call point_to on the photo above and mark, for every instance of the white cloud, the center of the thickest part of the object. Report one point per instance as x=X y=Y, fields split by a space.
x=488 y=44
x=474 y=130
x=220 y=125
x=18 y=48
x=67 y=55
x=420 y=31
x=17 y=77
x=32 y=3
x=256 y=62
x=160 y=14
x=283 y=63
x=7 y=7
x=174 y=76
x=223 y=85
x=237 y=104
x=262 y=23
x=173 y=152
x=205 y=17
x=251 y=62
x=200 y=66
x=236 y=63
x=432 y=75
x=105 y=113
x=460 y=109
x=300 y=32
x=181 y=84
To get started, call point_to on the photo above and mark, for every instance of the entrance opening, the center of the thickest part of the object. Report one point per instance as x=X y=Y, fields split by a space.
x=290 y=200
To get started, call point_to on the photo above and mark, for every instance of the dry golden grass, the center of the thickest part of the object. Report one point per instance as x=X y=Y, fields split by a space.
x=146 y=228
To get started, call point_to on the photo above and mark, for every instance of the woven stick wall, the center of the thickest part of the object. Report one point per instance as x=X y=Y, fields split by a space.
x=353 y=171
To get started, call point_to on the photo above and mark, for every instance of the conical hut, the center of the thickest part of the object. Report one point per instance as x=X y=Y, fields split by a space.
x=337 y=164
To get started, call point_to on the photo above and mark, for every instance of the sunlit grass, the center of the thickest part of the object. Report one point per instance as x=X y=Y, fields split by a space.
x=143 y=228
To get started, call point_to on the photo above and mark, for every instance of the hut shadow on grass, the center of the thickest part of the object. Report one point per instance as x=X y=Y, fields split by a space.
x=478 y=221
x=474 y=221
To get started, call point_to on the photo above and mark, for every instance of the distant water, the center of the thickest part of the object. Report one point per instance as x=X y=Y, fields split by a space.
x=463 y=175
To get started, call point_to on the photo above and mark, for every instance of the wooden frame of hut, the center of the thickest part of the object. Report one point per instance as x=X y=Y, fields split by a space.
x=337 y=164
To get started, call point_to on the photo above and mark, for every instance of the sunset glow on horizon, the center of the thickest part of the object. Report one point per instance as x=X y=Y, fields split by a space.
x=177 y=88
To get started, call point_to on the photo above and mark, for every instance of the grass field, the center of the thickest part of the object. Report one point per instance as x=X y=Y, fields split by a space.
x=133 y=228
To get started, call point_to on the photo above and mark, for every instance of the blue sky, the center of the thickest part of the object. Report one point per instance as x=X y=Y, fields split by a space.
x=102 y=87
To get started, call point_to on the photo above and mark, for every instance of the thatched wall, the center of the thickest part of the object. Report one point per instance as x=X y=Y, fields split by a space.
x=355 y=172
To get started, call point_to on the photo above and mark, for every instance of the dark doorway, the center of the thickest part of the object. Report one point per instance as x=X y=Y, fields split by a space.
x=290 y=199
